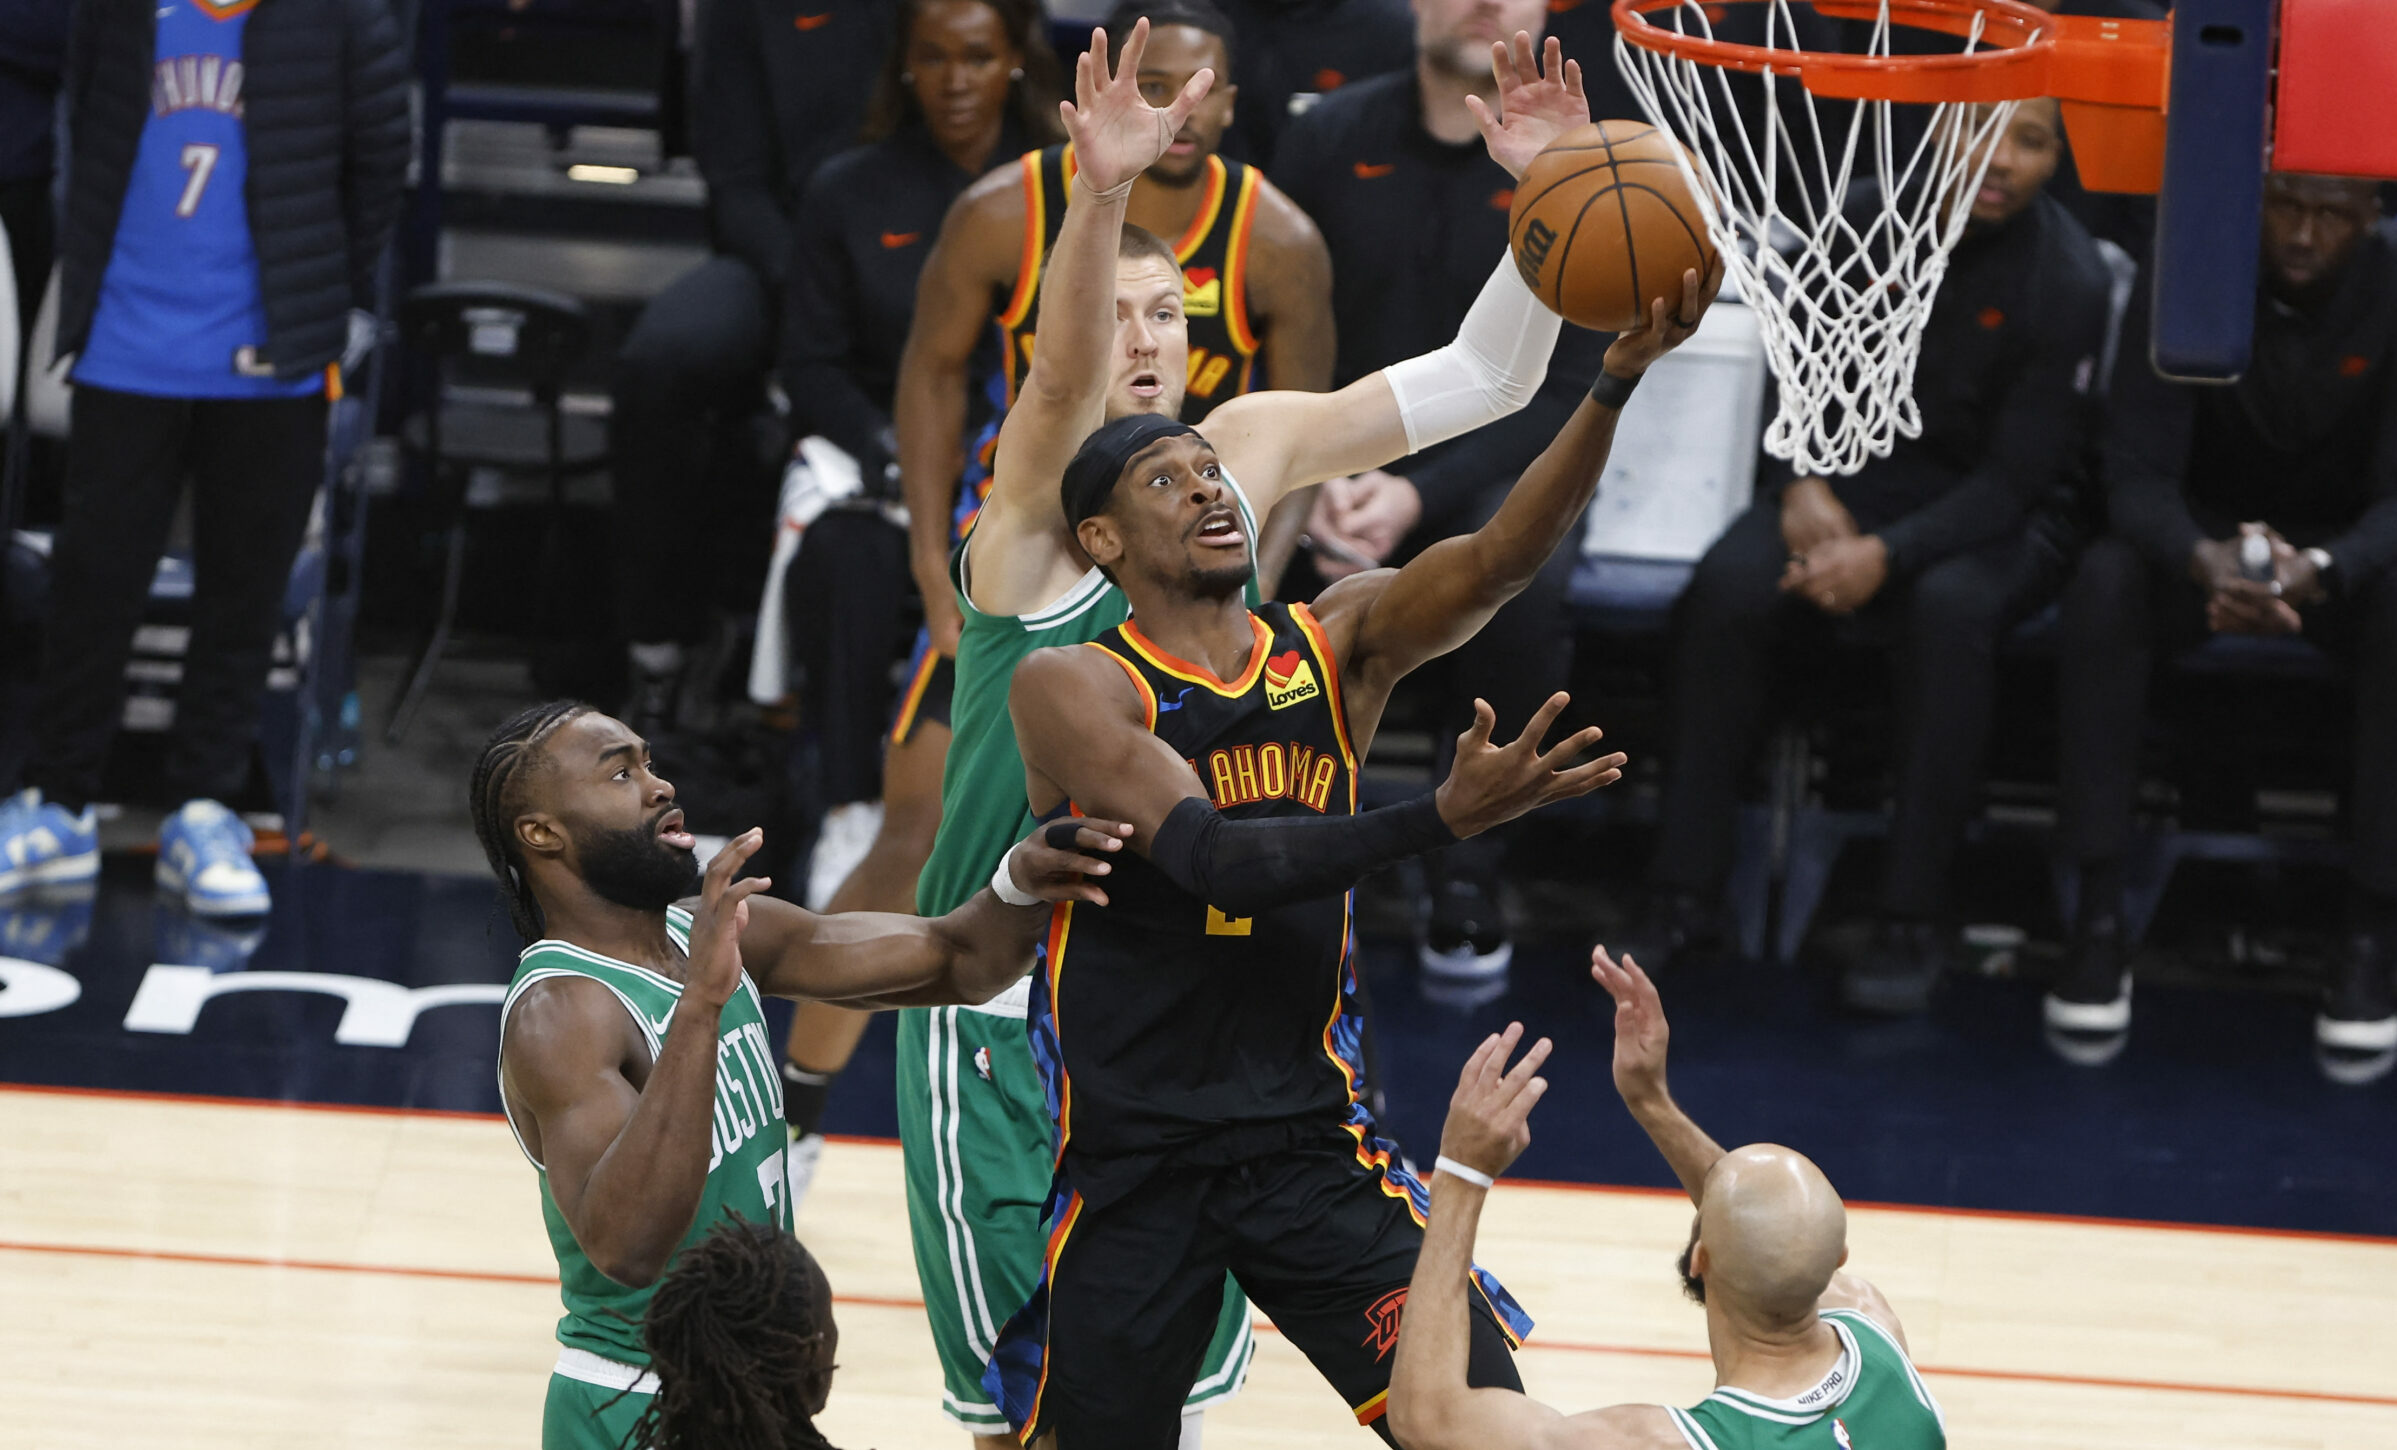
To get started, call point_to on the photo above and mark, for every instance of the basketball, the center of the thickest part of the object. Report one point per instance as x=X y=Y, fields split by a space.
x=1603 y=224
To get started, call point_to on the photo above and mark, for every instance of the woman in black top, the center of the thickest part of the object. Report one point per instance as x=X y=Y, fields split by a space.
x=970 y=85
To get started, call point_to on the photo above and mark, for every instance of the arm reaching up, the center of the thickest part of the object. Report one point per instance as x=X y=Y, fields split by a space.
x=1640 y=1038
x=1383 y=624
x=1115 y=135
x=1278 y=441
x=1432 y=1405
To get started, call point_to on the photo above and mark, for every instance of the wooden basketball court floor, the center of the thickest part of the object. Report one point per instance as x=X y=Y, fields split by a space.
x=212 y=1273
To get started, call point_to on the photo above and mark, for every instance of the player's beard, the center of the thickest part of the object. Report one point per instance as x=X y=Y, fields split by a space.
x=1221 y=582
x=1692 y=1285
x=633 y=869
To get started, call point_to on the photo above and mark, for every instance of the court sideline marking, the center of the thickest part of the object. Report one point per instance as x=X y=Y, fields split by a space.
x=1928 y=1210
x=493 y=1276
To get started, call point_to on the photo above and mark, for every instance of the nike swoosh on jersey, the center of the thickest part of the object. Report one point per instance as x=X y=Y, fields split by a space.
x=896 y=240
x=1367 y=171
x=1176 y=702
x=812 y=22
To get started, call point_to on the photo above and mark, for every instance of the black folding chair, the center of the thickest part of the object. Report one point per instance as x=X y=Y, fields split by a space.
x=482 y=339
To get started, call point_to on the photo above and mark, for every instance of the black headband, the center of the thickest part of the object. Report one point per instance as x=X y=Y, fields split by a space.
x=1101 y=459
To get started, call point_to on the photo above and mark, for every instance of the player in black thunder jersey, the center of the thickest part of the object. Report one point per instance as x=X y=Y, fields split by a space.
x=1198 y=1032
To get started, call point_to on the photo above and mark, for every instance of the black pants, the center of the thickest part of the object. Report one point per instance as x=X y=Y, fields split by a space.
x=2122 y=614
x=1320 y=1241
x=1734 y=627
x=700 y=350
x=254 y=466
x=847 y=603
x=25 y=211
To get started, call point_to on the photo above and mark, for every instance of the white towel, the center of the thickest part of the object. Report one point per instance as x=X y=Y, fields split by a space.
x=822 y=475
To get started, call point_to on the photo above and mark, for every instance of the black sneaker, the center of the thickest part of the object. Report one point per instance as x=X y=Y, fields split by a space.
x=1466 y=935
x=1894 y=974
x=2093 y=992
x=2359 y=1010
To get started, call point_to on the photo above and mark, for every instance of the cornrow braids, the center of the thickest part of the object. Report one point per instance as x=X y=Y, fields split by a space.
x=496 y=797
x=740 y=1336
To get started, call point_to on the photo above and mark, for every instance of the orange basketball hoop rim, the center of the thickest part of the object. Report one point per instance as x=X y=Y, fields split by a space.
x=2112 y=77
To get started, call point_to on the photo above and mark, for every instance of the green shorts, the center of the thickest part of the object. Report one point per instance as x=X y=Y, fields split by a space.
x=976 y=1137
x=593 y=1403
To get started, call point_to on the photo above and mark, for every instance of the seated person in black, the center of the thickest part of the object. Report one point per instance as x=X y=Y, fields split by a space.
x=2302 y=451
x=970 y=86
x=1413 y=209
x=778 y=87
x=1928 y=554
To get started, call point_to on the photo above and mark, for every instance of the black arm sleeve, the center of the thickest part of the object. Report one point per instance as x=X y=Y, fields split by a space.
x=2145 y=452
x=2370 y=543
x=1242 y=868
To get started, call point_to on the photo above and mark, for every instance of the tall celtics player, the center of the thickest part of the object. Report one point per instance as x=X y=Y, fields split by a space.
x=634 y=1064
x=1807 y=1356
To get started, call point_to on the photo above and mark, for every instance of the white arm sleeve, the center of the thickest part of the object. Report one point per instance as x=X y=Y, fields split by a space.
x=1498 y=361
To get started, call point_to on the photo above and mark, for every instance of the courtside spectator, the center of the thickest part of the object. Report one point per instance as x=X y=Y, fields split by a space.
x=1927 y=554
x=2302 y=451
x=33 y=46
x=971 y=85
x=1414 y=211
x=235 y=176
x=777 y=89
x=1295 y=52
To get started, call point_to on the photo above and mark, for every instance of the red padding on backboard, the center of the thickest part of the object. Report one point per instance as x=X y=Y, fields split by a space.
x=2335 y=109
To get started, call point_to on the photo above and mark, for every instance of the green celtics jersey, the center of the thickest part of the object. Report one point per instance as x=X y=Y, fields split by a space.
x=983 y=808
x=745 y=1159
x=1871 y=1400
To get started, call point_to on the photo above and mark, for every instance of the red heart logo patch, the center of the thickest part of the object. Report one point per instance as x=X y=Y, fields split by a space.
x=1283 y=666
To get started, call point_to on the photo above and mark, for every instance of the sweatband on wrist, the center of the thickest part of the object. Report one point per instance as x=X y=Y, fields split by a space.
x=1002 y=884
x=1242 y=868
x=1454 y=1169
x=1496 y=364
x=1613 y=392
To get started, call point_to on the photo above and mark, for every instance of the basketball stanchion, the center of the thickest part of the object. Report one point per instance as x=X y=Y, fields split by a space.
x=1835 y=221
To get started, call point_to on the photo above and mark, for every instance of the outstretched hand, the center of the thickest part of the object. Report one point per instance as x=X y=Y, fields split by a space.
x=1116 y=133
x=1489 y=785
x=1489 y=1119
x=1632 y=352
x=1059 y=861
x=1640 y=1032
x=715 y=971
x=1539 y=99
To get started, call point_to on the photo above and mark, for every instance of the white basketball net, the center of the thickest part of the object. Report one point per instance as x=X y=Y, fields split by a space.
x=1841 y=280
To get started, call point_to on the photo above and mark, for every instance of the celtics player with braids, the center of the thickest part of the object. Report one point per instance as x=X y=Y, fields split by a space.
x=634 y=1065
x=741 y=1340
x=1807 y=1356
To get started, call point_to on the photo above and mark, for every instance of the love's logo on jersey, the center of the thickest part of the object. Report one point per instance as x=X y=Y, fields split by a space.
x=1289 y=679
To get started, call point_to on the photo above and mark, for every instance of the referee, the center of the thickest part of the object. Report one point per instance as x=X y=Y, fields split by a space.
x=235 y=175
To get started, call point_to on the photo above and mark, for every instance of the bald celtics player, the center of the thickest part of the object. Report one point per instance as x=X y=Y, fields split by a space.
x=1807 y=1356
x=972 y=1117
x=634 y=1064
